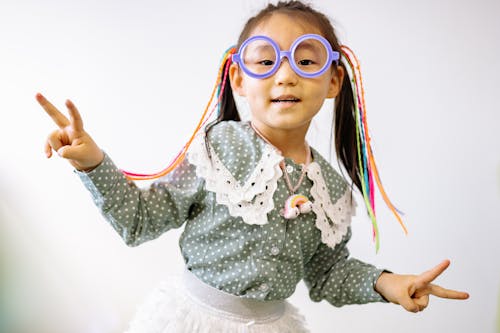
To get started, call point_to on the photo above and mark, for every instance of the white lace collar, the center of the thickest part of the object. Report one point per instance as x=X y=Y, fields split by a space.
x=252 y=199
x=332 y=219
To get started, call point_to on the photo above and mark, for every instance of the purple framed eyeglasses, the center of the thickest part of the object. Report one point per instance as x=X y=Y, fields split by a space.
x=309 y=56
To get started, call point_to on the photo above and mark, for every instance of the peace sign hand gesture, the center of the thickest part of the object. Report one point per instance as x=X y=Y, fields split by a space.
x=70 y=141
x=412 y=291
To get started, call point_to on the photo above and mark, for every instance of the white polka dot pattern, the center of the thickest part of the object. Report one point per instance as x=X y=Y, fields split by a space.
x=250 y=198
x=261 y=261
x=332 y=219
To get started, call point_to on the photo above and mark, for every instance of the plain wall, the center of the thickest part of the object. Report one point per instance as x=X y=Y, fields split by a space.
x=141 y=73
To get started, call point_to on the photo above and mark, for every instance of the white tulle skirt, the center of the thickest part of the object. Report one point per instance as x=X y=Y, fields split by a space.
x=187 y=305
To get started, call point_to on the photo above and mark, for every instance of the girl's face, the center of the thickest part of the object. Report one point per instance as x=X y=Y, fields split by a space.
x=285 y=101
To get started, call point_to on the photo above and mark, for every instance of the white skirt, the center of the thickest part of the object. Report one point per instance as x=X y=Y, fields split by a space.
x=188 y=305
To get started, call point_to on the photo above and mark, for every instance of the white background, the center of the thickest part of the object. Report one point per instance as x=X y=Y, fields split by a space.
x=141 y=72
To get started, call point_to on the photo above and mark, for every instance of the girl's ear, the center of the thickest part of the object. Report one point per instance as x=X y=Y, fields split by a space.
x=236 y=79
x=336 y=82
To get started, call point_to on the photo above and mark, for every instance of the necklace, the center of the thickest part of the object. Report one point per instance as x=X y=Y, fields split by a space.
x=295 y=203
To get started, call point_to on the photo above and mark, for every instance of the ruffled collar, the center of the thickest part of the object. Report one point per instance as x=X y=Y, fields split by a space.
x=247 y=188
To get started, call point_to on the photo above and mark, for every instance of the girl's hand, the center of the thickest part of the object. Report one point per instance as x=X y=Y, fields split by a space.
x=412 y=291
x=70 y=141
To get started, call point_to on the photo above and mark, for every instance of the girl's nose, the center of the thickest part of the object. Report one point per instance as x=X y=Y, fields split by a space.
x=285 y=73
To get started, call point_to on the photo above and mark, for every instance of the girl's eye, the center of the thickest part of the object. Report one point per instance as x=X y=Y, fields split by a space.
x=305 y=62
x=266 y=62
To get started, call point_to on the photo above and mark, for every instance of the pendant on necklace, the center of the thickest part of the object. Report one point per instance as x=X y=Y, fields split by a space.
x=295 y=205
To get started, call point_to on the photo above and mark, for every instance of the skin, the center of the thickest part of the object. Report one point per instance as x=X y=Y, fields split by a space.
x=284 y=124
x=412 y=291
x=70 y=140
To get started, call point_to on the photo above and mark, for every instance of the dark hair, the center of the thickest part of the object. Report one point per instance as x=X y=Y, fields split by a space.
x=344 y=122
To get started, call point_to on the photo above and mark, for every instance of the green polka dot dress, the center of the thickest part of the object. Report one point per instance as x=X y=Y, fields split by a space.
x=228 y=193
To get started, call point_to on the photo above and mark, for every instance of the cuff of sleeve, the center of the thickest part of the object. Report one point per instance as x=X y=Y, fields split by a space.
x=376 y=277
x=102 y=178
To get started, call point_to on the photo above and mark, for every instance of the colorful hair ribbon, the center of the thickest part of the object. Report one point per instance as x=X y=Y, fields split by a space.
x=367 y=167
x=217 y=93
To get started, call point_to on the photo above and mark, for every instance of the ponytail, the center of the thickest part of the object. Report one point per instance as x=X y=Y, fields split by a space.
x=227 y=105
x=221 y=87
x=352 y=140
x=345 y=130
x=227 y=109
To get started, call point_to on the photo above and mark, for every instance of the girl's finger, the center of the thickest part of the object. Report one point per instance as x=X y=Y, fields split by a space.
x=407 y=303
x=74 y=115
x=447 y=293
x=54 y=141
x=52 y=111
x=432 y=274
x=48 y=149
x=421 y=302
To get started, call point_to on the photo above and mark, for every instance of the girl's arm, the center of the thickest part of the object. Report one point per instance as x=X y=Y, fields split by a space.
x=137 y=215
x=332 y=276
x=140 y=215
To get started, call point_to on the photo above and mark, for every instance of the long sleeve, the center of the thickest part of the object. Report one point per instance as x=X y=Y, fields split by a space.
x=139 y=215
x=331 y=275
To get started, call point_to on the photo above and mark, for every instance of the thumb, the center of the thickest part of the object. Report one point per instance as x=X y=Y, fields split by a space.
x=81 y=157
x=68 y=152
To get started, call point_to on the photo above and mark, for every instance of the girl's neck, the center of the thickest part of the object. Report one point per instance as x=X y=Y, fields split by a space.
x=290 y=142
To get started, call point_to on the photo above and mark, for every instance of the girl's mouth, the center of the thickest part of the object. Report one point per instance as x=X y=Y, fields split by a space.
x=285 y=99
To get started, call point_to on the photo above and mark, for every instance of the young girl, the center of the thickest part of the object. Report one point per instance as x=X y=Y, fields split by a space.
x=262 y=210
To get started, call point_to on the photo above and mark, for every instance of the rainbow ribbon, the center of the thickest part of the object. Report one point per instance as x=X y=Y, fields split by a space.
x=366 y=161
x=217 y=93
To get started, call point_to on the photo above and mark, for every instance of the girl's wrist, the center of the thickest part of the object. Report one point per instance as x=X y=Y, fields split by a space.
x=92 y=166
x=381 y=282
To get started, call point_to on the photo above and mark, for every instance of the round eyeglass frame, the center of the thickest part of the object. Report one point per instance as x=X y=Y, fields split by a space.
x=331 y=56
